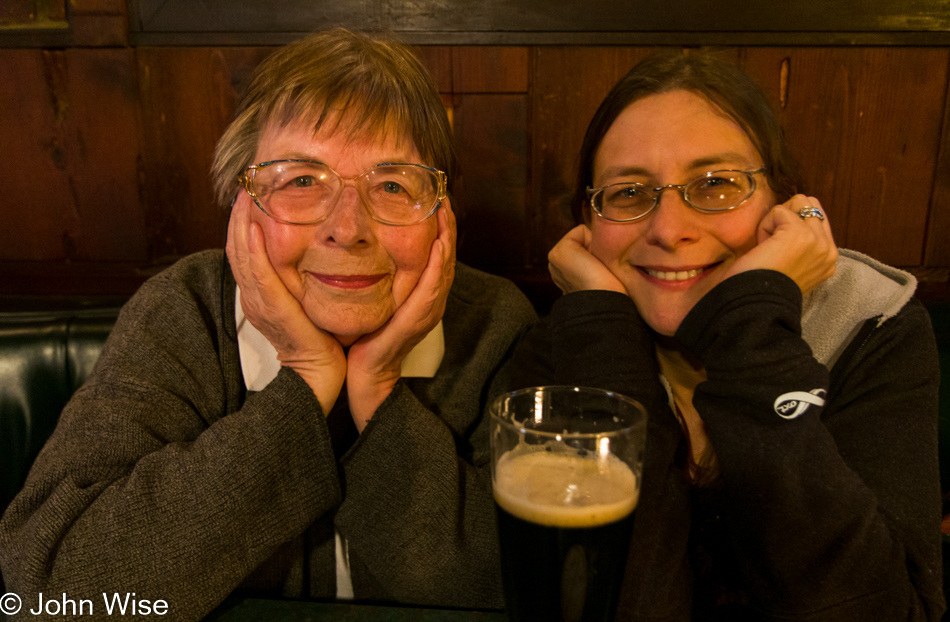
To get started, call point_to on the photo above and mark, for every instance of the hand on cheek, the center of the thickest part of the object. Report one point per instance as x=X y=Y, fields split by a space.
x=802 y=249
x=267 y=304
x=574 y=268
x=374 y=362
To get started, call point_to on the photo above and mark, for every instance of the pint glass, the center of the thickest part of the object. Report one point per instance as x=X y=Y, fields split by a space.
x=566 y=465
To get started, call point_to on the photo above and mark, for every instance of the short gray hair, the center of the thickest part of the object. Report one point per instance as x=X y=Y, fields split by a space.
x=380 y=84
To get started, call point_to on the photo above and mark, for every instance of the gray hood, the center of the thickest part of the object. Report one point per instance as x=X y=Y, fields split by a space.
x=861 y=288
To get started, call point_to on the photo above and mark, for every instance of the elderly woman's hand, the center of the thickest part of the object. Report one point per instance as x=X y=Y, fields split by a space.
x=315 y=355
x=574 y=268
x=802 y=249
x=374 y=362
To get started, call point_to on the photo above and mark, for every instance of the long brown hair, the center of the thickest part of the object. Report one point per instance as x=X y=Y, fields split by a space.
x=724 y=85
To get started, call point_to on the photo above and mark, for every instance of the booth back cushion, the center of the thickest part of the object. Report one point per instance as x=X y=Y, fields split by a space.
x=44 y=358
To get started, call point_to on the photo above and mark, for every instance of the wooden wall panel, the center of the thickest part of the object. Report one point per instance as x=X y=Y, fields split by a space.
x=17 y=12
x=865 y=126
x=73 y=133
x=438 y=60
x=56 y=9
x=937 y=249
x=99 y=22
x=33 y=205
x=493 y=183
x=117 y=145
x=188 y=98
x=490 y=69
x=569 y=84
x=100 y=7
x=105 y=125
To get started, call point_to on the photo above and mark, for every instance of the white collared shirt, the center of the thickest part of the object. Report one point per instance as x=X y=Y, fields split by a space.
x=259 y=365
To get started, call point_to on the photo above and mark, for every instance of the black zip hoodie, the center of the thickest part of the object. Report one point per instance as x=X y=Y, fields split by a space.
x=828 y=502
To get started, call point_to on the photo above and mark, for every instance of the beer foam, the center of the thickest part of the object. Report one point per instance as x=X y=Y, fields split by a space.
x=563 y=489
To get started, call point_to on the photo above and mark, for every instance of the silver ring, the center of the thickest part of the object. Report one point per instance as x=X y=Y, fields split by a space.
x=811 y=212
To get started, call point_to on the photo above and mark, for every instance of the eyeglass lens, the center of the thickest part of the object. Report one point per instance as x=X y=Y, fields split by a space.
x=305 y=192
x=720 y=190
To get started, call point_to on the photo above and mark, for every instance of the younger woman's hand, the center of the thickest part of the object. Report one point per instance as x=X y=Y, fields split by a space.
x=802 y=249
x=574 y=268
x=268 y=305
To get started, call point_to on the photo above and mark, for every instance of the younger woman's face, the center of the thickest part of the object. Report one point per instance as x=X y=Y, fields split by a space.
x=672 y=257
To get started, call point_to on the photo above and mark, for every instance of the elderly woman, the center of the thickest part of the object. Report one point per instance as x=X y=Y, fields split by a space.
x=303 y=416
x=790 y=470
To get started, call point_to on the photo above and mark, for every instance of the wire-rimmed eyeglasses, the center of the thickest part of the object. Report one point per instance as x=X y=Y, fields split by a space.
x=303 y=192
x=716 y=191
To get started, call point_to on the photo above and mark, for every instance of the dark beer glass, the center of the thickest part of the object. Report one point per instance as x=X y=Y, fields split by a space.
x=566 y=464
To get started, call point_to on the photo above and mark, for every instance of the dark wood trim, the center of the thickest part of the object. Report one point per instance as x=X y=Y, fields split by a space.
x=455 y=38
x=102 y=23
x=558 y=22
x=39 y=38
x=61 y=38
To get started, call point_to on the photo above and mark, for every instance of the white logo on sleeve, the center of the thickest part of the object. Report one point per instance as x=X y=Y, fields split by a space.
x=794 y=404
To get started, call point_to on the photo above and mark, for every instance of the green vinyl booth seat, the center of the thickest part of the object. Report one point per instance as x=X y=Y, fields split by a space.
x=44 y=357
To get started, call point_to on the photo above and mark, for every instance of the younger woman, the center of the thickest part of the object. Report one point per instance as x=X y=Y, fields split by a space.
x=791 y=463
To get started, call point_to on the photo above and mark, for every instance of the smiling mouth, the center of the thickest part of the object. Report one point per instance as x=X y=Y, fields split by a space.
x=349 y=281
x=676 y=275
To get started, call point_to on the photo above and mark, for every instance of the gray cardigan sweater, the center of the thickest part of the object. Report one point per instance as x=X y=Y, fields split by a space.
x=166 y=478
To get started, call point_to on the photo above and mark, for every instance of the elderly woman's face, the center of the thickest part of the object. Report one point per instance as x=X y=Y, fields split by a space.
x=672 y=257
x=349 y=273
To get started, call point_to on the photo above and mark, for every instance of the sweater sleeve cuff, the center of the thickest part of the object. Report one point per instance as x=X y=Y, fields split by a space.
x=740 y=298
x=579 y=304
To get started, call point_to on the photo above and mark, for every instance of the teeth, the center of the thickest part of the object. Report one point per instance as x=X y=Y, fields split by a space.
x=673 y=276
